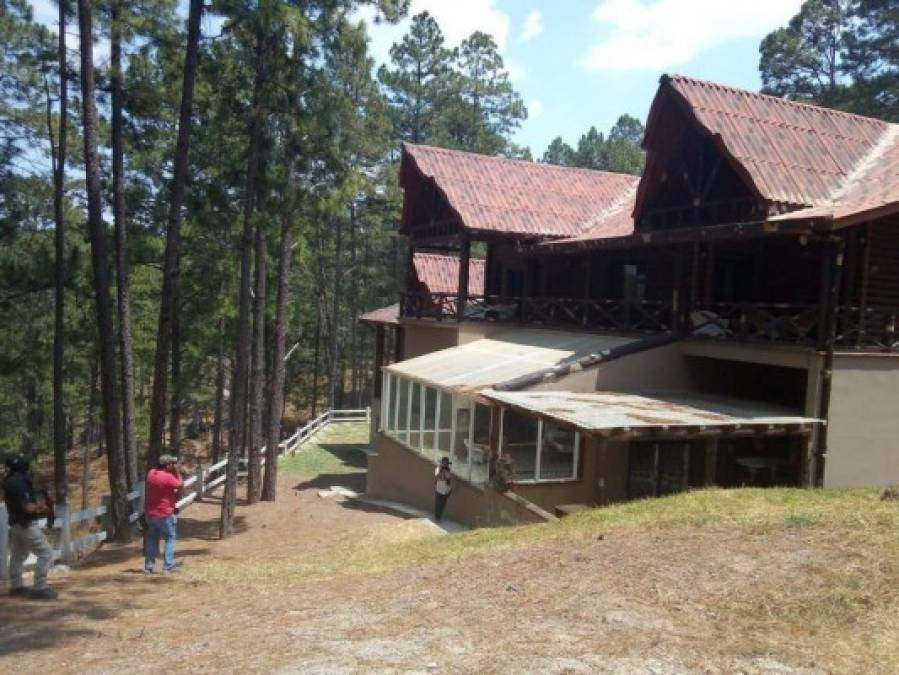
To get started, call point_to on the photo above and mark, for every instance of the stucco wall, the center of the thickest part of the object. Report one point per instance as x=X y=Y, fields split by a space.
x=863 y=435
x=422 y=338
x=397 y=473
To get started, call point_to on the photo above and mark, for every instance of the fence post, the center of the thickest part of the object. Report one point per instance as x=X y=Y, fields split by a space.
x=4 y=542
x=106 y=518
x=201 y=476
x=368 y=415
x=64 y=513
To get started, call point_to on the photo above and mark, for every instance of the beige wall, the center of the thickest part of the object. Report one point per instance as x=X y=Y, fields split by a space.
x=424 y=338
x=397 y=473
x=863 y=435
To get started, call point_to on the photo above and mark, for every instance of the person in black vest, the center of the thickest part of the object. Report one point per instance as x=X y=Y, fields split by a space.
x=25 y=508
x=443 y=486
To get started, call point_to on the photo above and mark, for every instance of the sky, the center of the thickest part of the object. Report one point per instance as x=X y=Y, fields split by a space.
x=580 y=63
x=583 y=63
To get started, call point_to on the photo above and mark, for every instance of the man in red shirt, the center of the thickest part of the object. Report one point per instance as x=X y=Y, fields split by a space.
x=163 y=485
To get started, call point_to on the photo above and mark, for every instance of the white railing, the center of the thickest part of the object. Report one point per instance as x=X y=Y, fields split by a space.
x=203 y=482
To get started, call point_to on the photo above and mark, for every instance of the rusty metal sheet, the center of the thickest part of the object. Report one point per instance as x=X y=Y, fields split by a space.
x=502 y=357
x=612 y=410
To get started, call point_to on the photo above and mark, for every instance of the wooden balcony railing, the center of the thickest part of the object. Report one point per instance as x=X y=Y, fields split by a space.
x=618 y=315
x=871 y=328
x=769 y=322
x=874 y=329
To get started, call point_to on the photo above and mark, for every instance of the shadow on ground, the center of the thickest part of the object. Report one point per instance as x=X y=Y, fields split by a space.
x=30 y=625
x=351 y=481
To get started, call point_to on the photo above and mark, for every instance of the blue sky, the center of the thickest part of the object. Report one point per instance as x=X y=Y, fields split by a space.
x=579 y=63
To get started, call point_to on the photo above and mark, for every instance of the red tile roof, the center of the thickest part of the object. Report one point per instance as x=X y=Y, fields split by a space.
x=495 y=194
x=794 y=153
x=440 y=273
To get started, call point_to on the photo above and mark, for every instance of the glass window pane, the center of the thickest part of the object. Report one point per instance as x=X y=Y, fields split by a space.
x=402 y=412
x=391 y=382
x=444 y=425
x=519 y=445
x=429 y=422
x=480 y=451
x=557 y=452
x=415 y=416
x=462 y=417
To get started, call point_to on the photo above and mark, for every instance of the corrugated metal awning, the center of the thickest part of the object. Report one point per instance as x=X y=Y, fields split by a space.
x=612 y=413
x=503 y=357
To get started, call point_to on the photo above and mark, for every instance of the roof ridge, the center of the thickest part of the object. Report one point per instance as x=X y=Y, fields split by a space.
x=518 y=160
x=615 y=206
x=886 y=141
x=780 y=99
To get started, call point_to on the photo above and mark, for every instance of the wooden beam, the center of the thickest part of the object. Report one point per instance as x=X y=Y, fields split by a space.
x=379 y=361
x=462 y=296
x=866 y=276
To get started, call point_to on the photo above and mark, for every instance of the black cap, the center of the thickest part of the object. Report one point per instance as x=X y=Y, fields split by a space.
x=17 y=463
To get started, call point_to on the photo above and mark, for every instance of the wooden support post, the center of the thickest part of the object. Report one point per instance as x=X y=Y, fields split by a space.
x=379 y=361
x=399 y=345
x=711 y=462
x=462 y=296
x=863 y=295
x=4 y=542
x=588 y=269
x=834 y=256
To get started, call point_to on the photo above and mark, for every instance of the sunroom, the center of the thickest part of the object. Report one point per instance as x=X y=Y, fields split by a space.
x=435 y=404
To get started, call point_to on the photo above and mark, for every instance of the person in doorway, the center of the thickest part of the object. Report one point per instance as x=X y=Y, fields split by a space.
x=163 y=486
x=443 y=486
x=25 y=508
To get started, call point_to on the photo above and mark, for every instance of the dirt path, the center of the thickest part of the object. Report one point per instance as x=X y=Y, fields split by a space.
x=677 y=600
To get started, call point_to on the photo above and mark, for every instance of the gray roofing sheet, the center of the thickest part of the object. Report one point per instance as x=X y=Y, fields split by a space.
x=502 y=357
x=612 y=410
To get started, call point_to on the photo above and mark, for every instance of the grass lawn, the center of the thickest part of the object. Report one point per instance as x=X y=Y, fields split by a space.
x=338 y=449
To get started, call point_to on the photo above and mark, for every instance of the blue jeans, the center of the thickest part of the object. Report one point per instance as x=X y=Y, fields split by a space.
x=161 y=527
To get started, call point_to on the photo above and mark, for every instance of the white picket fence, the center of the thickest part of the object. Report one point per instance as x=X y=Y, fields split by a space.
x=205 y=480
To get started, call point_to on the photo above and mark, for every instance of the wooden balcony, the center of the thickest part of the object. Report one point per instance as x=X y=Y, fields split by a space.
x=614 y=315
x=874 y=329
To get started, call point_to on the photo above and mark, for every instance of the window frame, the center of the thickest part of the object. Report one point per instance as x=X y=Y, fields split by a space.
x=576 y=460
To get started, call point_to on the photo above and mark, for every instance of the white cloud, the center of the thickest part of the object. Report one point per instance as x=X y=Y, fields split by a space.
x=535 y=108
x=533 y=26
x=646 y=35
x=458 y=20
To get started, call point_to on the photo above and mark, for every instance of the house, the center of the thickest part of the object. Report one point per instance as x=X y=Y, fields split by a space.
x=728 y=318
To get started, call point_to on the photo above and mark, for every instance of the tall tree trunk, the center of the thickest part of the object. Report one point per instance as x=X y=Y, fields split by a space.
x=177 y=380
x=276 y=391
x=257 y=369
x=118 y=482
x=242 y=359
x=129 y=437
x=354 y=303
x=315 y=358
x=219 y=395
x=173 y=237
x=59 y=169
x=335 y=371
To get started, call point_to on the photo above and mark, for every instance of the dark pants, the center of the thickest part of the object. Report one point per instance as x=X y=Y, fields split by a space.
x=439 y=505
